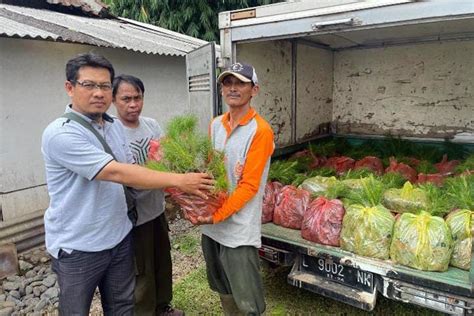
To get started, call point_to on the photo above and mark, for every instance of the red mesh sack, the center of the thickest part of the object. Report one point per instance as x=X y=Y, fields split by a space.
x=446 y=167
x=155 y=152
x=413 y=162
x=314 y=162
x=371 y=163
x=269 y=200
x=194 y=206
x=290 y=206
x=340 y=164
x=322 y=221
x=435 y=178
x=405 y=170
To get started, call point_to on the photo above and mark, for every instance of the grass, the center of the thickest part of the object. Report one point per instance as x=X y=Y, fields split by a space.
x=193 y=295
x=187 y=244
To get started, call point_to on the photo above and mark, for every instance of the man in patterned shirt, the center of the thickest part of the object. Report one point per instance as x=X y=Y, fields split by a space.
x=153 y=291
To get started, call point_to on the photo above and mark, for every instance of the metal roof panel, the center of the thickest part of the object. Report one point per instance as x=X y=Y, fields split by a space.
x=122 y=33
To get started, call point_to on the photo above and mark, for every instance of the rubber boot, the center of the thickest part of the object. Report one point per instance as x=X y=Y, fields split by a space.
x=229 y=306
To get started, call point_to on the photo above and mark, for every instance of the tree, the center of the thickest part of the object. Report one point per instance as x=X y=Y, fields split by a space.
x=197 y=18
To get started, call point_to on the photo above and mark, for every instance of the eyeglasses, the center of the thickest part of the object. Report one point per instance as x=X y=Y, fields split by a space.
x=90 y=85
x=229 y=82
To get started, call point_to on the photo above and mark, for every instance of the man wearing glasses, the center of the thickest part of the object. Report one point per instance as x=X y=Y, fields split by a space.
x=230 y=245
x=86 y=224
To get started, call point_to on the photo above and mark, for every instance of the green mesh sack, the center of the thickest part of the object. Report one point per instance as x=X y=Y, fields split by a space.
x=367 y=231
x=422 y=242
x=407 y=199
x=461 y=225
x=318 y=184
x=355 y=184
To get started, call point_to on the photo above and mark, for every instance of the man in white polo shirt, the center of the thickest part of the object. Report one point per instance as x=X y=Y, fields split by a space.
x=86 y=224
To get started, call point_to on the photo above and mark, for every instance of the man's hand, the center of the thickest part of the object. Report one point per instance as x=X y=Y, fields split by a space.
x=196 y=183
x=200 y=220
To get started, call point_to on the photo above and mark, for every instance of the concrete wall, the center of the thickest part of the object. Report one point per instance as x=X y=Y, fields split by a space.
x=314 y=85
x=32 y=95
x=424 y=90
x=272 y=62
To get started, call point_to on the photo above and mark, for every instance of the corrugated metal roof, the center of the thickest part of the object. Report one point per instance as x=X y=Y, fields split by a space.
x=118 y=33
x=13 y=28
x=95 y=7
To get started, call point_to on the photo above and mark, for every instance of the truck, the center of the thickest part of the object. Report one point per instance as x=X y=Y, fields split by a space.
x=361 y=70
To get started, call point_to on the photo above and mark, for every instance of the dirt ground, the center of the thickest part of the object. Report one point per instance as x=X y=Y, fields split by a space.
x=183 y=262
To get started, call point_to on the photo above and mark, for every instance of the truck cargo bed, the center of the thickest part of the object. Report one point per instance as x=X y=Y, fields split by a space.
x=454 y=280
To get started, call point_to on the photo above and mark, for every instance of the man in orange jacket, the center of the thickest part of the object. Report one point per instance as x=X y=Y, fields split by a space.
x=231 y=236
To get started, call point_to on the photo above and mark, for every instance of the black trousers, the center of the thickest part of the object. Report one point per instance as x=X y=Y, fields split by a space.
x=80 y=273
x=153 y=288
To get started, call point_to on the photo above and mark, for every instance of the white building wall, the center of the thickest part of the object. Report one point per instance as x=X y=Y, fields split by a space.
x=32 y=95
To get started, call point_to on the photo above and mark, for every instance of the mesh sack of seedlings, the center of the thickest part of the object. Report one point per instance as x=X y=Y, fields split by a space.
x=269 y=200
x=291 y=203
x=371 y=163
x=367 y=231
x=435 y=178
x=406 y=199
x=461 y=225
x=405 y=170
x=340 y=164
x=184 y=150
x=318 y=184
x=422 y=242
x=322 y=221
x=446 y=167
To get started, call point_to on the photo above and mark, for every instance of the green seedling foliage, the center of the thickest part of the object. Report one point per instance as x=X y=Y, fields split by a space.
x=216 y=167
x=460 y=191
x=357 y=174
x=282 y=171
x=326 y=147
x=468 y=164
x=323 y=172
x=369 y=195
x=185 y=150
x=439 y=203
x=426 y=167
x=392 y=180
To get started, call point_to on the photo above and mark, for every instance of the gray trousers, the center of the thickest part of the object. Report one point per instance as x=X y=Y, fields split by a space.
x=80 y=273
x=235 y=271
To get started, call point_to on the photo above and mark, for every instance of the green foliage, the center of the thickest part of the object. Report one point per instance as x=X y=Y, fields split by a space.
x=392 y=180
x=438 y=203
x=324 y=148
x=185 y=150
x=197 y=18
x=426 y=167
x=369 y=194
x=467 y=165
x=358 y=173
x=282 y=171
x=460 y=191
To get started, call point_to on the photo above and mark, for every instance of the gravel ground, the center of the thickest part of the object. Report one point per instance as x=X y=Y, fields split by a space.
x=35 y=290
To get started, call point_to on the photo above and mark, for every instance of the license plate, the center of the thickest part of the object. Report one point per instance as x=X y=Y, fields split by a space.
x=337 y=272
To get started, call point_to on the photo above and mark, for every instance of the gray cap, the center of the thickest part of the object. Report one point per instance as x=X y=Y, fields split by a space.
x=243 y=72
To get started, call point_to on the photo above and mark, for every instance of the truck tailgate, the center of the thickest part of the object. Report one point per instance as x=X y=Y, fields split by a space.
x=455 y=281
